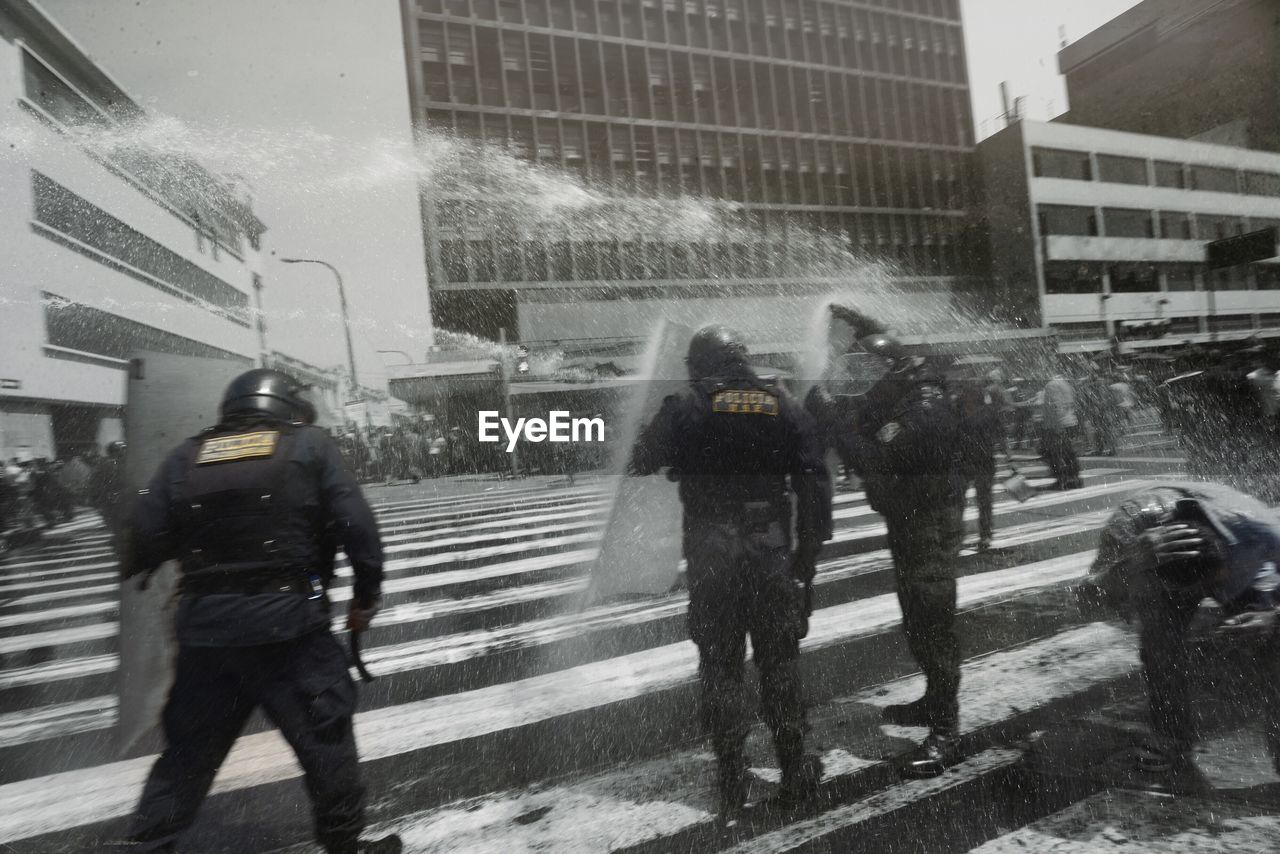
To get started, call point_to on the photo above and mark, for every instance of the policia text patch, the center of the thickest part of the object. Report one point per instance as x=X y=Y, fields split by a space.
x=243 y=446
x=757 y=402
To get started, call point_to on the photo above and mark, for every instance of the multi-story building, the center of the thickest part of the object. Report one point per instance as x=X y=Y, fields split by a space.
x=1093 y=228
x=1204 y=69
x=105 y=247
x=845 y=119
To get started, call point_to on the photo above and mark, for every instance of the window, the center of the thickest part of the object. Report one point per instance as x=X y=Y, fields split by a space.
x=1065 y=278
x=57 y=98
x=1175 y=225
x=89 y=330
x=1267 y=277
x=1213 y=179
x=67 y=213
x=1124 y=222
x=1052 y=163
x=1230 y=279
x=1133 y=278
x=1170 y=175
x=1217 y=226
x=1180 y=277
x=1261 y=184
x=1122 y=170
x=1067 y=220
x=1079 y=331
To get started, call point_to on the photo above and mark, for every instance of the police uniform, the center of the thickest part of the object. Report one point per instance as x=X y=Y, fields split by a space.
x=903 y=444
x=248 y=509
x=732 y=440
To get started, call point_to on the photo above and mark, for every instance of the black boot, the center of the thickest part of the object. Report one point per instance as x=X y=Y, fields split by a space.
x=921 y=712
x=935 y=754
x=801 y=778
x=801 y=772
x=731 y=787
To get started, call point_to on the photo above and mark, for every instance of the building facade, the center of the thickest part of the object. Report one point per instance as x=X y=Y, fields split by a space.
x=1203 y=69
x=848 y=121
x=1094 y=230
x=105 y=248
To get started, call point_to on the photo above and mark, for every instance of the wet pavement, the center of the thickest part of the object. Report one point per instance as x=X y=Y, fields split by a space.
x=507 y=717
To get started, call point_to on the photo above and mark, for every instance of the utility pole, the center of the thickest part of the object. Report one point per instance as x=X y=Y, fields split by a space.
x=346 y=327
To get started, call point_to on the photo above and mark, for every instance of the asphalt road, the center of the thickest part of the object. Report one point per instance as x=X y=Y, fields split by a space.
x=511 y=714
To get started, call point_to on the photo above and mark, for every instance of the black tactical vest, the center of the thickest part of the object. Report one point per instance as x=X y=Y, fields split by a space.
x=236 y=528
x=733 y=458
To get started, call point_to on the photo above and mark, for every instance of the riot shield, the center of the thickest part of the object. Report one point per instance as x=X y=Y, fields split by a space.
x=169 y=398
x=641 y=548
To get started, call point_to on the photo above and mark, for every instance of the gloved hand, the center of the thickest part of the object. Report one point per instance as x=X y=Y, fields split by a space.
x=1172 y=543
x=360 y=614
x=861 y=323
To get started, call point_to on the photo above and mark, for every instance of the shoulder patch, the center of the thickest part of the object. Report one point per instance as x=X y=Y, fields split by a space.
x=242 y=446
x=744 y=401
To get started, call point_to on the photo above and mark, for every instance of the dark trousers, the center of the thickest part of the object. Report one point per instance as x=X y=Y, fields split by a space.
x=1060 y=455
x=303 y=687
x=1166 y=618
x=740 y=588
x=982 y=474
x=923 y=545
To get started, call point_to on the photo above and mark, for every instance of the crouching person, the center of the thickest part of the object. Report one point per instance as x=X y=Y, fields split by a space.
x=1161 y=553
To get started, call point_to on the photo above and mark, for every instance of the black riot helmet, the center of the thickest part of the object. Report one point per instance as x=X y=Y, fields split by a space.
x=269 y=392
x=713 y=350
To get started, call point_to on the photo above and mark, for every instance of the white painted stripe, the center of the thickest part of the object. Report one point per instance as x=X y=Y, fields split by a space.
x=1126 y=821
x=446 y=577
x=55 y=721
x=525 y=536
x=466 y=645
x=60 y=582
x=337 y=595
x=45 y=615
x=55 y=637
x=88 y=567
x=421 y=521
x=1044 y=500
x=643 y=801
x=517 y=520
x=73 y=798
x=54 y=671
x=487 y=498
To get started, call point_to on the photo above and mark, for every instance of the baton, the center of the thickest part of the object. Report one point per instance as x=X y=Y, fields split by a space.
x=357 y=661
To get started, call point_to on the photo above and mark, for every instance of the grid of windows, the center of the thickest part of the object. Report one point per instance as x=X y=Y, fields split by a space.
x=1116 y=169
x=1140 y=223
x=843 y=119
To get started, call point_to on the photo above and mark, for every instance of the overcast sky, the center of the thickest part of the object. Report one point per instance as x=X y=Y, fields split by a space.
x=1018 y=41
x=309 y=100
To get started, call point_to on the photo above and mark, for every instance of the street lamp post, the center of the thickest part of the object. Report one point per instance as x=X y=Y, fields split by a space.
x=346 y=319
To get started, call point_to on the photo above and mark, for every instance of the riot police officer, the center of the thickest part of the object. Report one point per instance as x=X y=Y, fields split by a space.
x=903 y=444
x=732 y=441
x=248 y=508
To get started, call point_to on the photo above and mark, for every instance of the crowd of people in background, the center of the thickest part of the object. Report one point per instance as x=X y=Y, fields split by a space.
x=40 y=493
x=424 y=450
